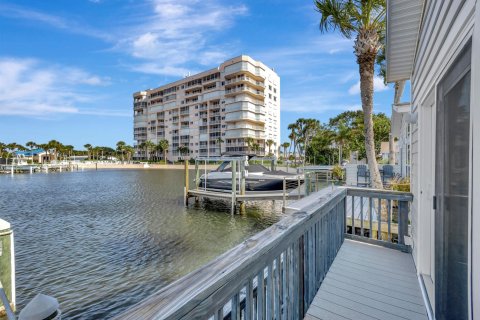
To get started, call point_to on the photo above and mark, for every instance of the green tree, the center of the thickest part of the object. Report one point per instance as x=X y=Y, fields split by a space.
x=366 y=21
x=184 y=150
x=121 y=148
x=285 y=146
x=88 y=146
x=220 y=141
x=270 y=143
x=255 y=148
x=294 y=136
x=149 y=147
x=129 y=151
x=250 y=141
x=164 y=145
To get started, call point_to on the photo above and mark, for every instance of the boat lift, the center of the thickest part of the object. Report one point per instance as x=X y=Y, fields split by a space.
x=238 y=194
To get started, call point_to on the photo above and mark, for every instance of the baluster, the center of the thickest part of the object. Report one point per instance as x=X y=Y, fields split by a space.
x=389 y=219
x=379 y=218
x=370 y=204
x=402 y=221
x=318 y=254
x=219 y=314
x=235 y=307
x=285 y=277
x=291 y=288
x=269 y=295
x=276 y=288
x=260 y=294
x=353 y=215
x=344 y=217
x=248 y=300
x=311 y=267
x=297 y=294
x=361 y=216
x=281 y=271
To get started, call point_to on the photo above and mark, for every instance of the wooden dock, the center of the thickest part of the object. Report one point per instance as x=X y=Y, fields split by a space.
x=369 y=282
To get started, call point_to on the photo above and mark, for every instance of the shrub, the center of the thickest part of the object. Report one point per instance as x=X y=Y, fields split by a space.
x=337 y=172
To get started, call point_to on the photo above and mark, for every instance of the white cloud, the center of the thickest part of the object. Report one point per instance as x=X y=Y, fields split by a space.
x=378 y=86
x=30 y=89
x=175 y=34
x=17 y=12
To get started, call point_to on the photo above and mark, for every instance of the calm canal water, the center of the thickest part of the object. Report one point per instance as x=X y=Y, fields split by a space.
x=101 y=241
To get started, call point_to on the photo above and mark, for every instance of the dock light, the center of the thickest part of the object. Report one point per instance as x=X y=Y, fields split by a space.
x=42 y=307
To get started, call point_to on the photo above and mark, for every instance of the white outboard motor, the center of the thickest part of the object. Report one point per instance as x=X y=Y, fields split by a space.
x=42 y=307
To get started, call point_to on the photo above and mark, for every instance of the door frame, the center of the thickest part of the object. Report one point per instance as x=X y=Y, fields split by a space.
x=439 y=224
x=426 y=155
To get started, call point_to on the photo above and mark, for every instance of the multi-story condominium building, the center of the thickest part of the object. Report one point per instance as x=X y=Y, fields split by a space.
x=234 y=108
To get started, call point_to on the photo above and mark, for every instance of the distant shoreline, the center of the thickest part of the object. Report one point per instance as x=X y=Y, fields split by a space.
x=155 y=166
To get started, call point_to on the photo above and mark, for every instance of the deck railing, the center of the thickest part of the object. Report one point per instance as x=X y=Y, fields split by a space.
x=379 y=216
x=276 y=273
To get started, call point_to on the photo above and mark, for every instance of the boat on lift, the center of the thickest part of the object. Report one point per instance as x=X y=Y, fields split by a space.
x=257 y=176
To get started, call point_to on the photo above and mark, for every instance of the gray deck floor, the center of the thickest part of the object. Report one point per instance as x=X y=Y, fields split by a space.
x=369 y=282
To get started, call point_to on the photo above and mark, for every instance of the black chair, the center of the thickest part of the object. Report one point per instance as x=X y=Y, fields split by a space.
x=362 y=172
x=387 y=174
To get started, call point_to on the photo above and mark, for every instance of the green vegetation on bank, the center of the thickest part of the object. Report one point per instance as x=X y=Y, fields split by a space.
x=316 y=143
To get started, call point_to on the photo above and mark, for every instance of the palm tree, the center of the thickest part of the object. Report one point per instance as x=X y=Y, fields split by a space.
x=158 y=149
x=88 y=146
x=293 y=136
x=183 y=150
x=220 y=141
x=341 y=136
x=270 y=142
x=308 y=128
x=31 y=145
x=10 y=148
x=366 y=21
x=149 y=146
x=256 y=147
x=164 y=145
x=129 y=150
x=3 y=149
x=121 y=148
x=285 y=146
x=250 y=141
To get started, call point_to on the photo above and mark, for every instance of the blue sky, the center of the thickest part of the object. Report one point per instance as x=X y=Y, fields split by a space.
x=68 y=68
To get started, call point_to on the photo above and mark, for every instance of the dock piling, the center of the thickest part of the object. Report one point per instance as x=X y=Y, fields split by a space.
x=186 y=187
x=7 y=272
x=234 y=184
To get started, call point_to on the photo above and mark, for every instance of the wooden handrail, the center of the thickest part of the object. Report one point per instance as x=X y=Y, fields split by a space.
x=277 y=272
x=274 y=251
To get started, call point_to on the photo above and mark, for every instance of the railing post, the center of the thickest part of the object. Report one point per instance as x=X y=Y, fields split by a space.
x=301 y=276
x=7 y=270
x=402 y=221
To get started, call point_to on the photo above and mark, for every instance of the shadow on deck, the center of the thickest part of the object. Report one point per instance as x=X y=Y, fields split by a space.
x=369 y=282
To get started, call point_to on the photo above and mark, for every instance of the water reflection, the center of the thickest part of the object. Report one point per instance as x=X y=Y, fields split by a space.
x=101 y=241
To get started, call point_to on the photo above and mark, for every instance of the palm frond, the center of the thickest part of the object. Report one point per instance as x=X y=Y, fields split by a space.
x=336 y=14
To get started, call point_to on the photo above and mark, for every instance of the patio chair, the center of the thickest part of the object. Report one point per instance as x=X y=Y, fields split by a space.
x=362 y=172
x=387 y=174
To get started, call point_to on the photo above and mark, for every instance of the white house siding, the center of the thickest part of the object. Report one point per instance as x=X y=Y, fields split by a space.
x=446 y=27
x=475 y=186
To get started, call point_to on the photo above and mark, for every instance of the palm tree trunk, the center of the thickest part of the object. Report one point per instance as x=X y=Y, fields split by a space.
x=391 y=151
x=366 y=64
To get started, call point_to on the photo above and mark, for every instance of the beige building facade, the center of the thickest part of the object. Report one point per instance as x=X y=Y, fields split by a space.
x=233 y=109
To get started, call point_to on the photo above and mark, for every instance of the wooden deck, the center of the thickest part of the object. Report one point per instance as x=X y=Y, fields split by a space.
x=369 y=282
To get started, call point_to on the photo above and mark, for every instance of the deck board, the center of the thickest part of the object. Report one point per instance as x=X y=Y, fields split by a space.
x=369 y=282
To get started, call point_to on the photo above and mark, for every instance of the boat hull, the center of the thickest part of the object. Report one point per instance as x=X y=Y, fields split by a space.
x=250 y=184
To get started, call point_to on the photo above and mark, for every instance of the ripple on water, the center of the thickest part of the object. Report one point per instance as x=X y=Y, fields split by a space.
x=101 y=241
